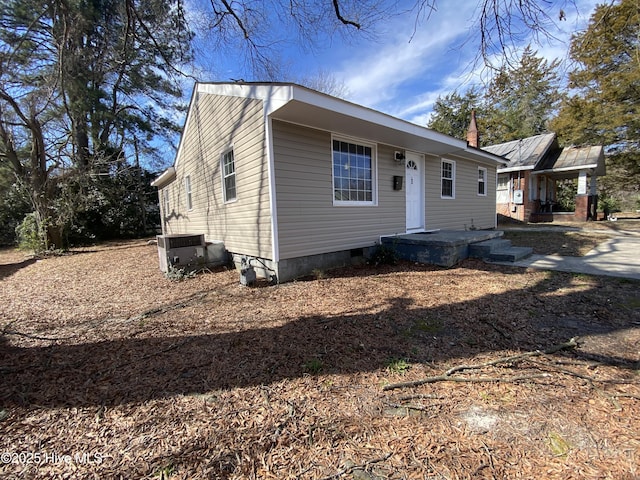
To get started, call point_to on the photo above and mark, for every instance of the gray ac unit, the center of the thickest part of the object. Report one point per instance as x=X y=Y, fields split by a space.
x=181 y=251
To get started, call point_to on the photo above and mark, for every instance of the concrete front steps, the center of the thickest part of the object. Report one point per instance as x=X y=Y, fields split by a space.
x=498 y=250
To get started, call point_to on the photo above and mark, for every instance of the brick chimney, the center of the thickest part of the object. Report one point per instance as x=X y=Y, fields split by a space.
x=473 y=138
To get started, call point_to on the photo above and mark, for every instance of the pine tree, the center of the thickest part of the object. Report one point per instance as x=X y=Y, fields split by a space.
x=451 y=113
x=604 y=107
x=79 y=80
x=522 y=99
x=518 y=103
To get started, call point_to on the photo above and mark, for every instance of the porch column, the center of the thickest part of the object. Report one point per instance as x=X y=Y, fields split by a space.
x=581 y=213
x=582 y=183
x=593 y=198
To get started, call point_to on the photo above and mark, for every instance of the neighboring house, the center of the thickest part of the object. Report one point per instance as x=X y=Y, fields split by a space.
x=526 y=189
x=293 y=180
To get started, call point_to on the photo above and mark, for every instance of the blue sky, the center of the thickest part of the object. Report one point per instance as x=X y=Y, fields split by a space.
x=401 y=67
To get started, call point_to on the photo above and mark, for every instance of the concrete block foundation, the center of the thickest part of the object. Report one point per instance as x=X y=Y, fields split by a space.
x=291 y=268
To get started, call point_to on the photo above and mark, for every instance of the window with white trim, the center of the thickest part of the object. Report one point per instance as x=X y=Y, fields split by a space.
x=482 y=181
x=353 y=172
x=448 y=179
x=502 y=188
x=228 y=175
x=503 y=181
x=187 y=192
x=165 y=198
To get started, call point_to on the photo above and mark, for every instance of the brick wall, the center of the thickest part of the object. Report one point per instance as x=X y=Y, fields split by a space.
x=511 y=210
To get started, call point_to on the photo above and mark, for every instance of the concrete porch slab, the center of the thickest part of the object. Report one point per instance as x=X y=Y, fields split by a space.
x=444 y=247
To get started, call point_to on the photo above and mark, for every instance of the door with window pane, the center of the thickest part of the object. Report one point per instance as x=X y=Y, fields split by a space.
x=414 y=191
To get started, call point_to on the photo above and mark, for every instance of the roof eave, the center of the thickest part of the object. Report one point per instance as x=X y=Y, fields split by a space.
x=296 y=104
x=592 y=166
x=165 y=177
x=515 y=169
x=340 y=116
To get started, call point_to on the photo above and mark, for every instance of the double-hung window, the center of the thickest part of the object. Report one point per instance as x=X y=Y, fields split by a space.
x=502 y=188
x=228 y=176
x=353 y=172
x=167 y=206
x=503 y=181
x=448 y=179
x=482 y=181
x=187 y=192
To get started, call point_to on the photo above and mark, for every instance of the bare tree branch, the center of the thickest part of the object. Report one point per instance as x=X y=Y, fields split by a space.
x=448 y=375
x=238 y=20
x=336 y=7
x=351 y=468
x=502 y=26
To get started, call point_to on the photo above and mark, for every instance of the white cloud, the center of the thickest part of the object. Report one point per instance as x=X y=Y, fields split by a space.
x=405 y=78
x=413 y=65
x=378 y=74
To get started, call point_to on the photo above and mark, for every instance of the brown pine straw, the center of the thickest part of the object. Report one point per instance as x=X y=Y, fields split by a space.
x=109 y=370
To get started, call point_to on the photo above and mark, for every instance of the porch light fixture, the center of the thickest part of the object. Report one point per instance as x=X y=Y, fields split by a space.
x=399 y=156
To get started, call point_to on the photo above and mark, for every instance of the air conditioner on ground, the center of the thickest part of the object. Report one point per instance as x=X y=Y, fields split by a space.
x=181 y=251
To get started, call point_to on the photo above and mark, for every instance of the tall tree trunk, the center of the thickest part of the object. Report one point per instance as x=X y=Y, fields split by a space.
x=140 y=188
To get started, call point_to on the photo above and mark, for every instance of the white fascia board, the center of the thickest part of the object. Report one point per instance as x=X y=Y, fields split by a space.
x=273 y=95
x=592 y=166
x=479 y=156
x=343 y=107
x=277 y=95
x=514 y=169
x=165 y=177
x=373 y=116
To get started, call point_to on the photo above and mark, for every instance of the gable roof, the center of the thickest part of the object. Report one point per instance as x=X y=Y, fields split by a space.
x=542 y=154
x=524 y=154
x=301 y=105
x=576 y=158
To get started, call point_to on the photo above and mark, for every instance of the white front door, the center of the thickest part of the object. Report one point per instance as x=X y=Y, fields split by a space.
x=414 y=168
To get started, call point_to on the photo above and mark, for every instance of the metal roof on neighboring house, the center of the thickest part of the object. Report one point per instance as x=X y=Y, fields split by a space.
x=576 y=158
x=542 y=154
x=523 y=154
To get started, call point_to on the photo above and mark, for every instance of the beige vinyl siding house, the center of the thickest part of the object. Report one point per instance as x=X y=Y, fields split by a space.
x=292 y=179
x=244 y=223
x=467 y=209
x=304 y=197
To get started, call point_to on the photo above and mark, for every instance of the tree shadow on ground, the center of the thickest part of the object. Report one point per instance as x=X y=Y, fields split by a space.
x=114 y=372
x=8 y=269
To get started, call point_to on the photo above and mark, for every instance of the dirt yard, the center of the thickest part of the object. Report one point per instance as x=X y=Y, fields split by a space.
x=567 y=239
x=109 y=370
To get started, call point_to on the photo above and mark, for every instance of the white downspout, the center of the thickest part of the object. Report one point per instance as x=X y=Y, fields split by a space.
x=275 y=245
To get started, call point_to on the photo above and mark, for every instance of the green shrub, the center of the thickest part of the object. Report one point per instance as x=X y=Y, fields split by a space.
x=313 y=366
x=609 y=204
x=384 y=255
x=30 y=234
x=566 y=191
x=398 y=365
x=179 y=274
